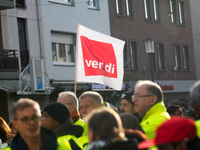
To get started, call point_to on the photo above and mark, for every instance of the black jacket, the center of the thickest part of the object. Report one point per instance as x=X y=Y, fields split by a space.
x=49 y=141
x=68 y=128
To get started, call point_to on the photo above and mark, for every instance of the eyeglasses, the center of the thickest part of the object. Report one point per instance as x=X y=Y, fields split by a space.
x=27 y=120
x=140 y=96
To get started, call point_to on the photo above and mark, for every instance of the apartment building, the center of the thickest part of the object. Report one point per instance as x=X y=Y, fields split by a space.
x=37 y=41
x=159 y=44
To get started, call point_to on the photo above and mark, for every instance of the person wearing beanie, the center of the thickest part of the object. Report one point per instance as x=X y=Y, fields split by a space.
x=127 y=105
x=126 y=102
x=56 y=116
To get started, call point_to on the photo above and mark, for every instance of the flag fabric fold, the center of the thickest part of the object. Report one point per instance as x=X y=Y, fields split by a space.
x=99 y=58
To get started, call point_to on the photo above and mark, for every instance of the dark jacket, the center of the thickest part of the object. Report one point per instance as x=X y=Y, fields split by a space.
x=125 y=145
x=105 y=144
x=49 y=141
x=72 y=130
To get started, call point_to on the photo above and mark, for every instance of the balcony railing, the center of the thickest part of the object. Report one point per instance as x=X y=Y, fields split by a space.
x=9 y=60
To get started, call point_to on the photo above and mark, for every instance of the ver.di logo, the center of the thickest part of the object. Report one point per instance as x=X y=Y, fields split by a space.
x=98 y=58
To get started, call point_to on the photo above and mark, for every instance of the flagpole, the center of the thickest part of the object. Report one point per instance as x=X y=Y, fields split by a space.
x=75 y=88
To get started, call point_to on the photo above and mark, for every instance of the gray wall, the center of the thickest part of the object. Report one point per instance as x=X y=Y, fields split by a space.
x=64 y=18
x=195 y=17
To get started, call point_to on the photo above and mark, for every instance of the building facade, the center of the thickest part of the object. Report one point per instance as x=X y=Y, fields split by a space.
x=37 y=42
x=166 y=25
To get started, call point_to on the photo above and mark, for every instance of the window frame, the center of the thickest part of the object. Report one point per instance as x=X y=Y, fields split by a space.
x=93 y=7
x=135 y=58
x=182 y=16
x=22 y=5
x=119 y=10
x=148 y=10
x=129 y=9
x=161 y=63
x=173 y=11
x=176 y=61
x=66 y=54
x=184 y=58
x=156 y=8
x=71 y=3
x=127 y=54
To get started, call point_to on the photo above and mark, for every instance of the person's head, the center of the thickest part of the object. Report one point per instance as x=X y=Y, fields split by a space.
x=126 y=103
x=27 y=115
x=147 y=94
x=195 y=97
x=173 y=134
x=89 y=101
x=191 y=114
x=130 y=121
x=13 y=129
x=104 y=123
x=174 y=110
x=70 y=99
x=55 y=115
x=5 y=130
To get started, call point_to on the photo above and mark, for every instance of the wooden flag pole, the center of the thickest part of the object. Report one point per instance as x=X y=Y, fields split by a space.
x=75 y=88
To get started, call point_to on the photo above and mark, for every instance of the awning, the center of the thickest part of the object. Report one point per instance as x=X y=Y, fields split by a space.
x=9 y=85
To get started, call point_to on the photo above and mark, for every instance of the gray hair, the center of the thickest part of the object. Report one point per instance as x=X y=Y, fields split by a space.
x=152 y=87
x=195 y=93
x=96 y=97
x=23 y=103
x=71 y=96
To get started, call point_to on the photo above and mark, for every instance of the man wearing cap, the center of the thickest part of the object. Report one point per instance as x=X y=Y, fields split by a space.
x=56 y=116
x=148 y=102
x=195 y=103
x=178 y=133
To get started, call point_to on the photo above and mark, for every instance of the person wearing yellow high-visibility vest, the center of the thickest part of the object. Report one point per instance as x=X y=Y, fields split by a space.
x=56 y=116
x=70 y=99
x=195 y=103
x=148 y=102
x=30 y=135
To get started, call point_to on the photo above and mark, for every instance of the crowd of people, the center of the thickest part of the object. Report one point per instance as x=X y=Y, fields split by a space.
x=89 y=123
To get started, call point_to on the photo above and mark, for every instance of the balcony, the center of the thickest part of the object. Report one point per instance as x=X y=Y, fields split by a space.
x=6 y=4
x=9 y=65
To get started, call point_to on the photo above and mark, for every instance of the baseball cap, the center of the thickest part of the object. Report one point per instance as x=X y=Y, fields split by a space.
x=174 y=130
x=128 y=96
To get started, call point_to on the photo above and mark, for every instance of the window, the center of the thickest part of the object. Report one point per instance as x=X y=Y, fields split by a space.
x=125 y=56
x=161 y=60
x=186 y=57
x=22 y=33
x=63 y=48
x=20 y=3
x=68 y=2
x=181 y=12
x=133 y=52
x=129 y=8
x=119 y=7
x=24 y=53
x=93 y=4
x=177 y=57
x=147 y=9
x=63 y=52
x=173 y=10
x=156 y=5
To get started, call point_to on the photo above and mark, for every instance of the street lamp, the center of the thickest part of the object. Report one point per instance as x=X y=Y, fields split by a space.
x=149 y=45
